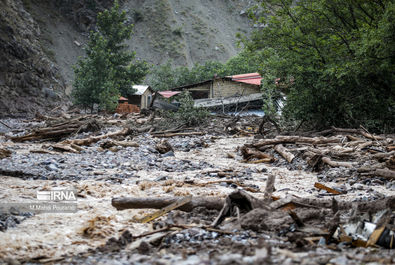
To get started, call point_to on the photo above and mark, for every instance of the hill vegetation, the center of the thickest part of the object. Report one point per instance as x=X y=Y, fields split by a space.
x=334 y=60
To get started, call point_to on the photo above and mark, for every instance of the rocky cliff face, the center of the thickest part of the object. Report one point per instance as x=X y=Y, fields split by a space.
x=29 y=80
x=40 y=41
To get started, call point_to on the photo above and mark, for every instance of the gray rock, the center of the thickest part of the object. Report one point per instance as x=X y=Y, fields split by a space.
x=52 y=167
x=168 y=154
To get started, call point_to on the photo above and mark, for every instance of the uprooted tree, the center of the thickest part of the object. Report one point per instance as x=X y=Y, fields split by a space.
x=108 y=70
x=333 y=59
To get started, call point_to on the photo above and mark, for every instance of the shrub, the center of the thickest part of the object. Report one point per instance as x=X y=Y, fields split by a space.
x=187 y=114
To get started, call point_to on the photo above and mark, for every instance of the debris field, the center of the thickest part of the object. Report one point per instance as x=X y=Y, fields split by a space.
x=219 y=193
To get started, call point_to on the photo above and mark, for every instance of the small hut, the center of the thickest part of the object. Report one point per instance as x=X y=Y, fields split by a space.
x=142 y=97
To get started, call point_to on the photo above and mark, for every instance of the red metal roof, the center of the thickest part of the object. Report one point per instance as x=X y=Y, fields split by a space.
x=168 y=94
x=251 y=78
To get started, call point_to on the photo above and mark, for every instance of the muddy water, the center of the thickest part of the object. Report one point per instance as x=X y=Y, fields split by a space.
x=53 y=235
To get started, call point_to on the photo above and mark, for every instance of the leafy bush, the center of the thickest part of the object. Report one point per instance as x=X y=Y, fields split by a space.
x=186 y=114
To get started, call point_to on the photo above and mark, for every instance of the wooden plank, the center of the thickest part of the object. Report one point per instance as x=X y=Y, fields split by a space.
x=328 y=189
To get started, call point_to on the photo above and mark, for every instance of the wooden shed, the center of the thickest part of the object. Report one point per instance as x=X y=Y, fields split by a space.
x=142 y=97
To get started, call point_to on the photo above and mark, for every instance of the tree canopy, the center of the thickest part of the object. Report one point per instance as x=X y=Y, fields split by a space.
x=334 y=59
x=109 y=69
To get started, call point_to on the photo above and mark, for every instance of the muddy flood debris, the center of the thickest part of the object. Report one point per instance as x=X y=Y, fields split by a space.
x=150 y=192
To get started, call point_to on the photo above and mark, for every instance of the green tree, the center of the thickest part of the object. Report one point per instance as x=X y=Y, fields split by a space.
x=109 y=69
x=334 y=59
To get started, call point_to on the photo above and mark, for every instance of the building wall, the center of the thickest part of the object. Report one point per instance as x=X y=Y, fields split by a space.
x=224 y=88
x=134 y=99
x=202 y=91
x=146 y=99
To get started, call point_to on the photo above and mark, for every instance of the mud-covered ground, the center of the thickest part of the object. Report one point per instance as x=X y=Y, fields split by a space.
x=99 y=234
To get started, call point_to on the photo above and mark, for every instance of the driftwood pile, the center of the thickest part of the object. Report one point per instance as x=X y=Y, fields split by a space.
x=61 y=129
x=368 y=154
x=314 y=218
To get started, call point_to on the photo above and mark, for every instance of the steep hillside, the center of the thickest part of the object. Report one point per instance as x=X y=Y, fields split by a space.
x=186 y=31
x=42 y=39
x=29 y=80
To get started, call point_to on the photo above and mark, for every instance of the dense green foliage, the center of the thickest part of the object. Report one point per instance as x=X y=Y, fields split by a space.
x=186 y=115
x=165 y=77
x=335 y=59
x=108 y=70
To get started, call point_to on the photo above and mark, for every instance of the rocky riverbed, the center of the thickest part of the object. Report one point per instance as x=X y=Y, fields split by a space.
x=99 y=234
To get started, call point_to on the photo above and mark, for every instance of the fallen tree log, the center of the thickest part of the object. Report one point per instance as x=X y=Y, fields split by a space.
x=217 y=203
x=110 y=143
x=284 y=152
x=249 y=153
x=344 y=153
x=59 y=130
x=94 y=139
x=332 y=163
x=159 y=203
x=177 y=134
x=295 y=139
x=359 y=131
x=384 y=173
x=375 y=205
x=65 y=148
x=383 y=155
